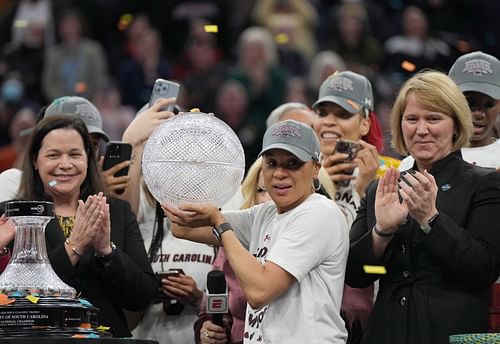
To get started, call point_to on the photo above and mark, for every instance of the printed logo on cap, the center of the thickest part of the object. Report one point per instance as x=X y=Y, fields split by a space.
x=85 y=111
x=368 y=102
x=477 y=67
x=287 y=129
x=341 y=84
x=59 y=101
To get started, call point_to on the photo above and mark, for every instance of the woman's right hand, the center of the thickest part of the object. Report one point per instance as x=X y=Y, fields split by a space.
x=212 y=334
x=389 y=211
x=338 y=167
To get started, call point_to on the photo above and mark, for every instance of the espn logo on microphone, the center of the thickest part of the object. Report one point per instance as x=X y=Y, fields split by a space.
x=217 y=303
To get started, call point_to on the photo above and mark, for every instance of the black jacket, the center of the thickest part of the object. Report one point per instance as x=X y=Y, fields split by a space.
x=437 y=284
x=127 y=283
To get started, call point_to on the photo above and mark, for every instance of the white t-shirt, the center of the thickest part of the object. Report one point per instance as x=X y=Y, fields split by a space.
x=484 y=156
x=311 y=243
x=9 y=183
x=194 y=258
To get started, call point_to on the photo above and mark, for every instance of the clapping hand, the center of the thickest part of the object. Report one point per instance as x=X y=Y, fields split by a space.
x=88 y=221
x=389 y=211
x=419 y=194
x=102 y=239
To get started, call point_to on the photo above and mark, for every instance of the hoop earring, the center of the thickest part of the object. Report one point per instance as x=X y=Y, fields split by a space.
x=316 y=184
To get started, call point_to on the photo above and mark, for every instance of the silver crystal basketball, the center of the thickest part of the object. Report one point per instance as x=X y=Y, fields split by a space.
x=193 y=158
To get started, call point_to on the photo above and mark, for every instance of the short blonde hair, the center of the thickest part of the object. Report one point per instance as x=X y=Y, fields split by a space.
x=437 y=92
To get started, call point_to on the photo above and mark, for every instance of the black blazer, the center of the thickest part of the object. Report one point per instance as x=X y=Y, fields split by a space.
x=437 y=284
x=127 y=283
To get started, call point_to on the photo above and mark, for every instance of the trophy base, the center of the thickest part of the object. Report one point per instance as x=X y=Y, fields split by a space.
x=49 y=317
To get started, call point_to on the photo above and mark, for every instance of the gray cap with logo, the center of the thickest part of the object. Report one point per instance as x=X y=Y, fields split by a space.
x=350 y=90
x=79 y=107
x=477 y=72
x=75 y=106
x=294 y=137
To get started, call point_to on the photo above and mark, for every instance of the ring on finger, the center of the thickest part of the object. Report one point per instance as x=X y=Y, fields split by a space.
x=206 y=334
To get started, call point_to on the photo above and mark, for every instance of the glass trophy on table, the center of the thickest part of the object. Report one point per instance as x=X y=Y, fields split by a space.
x=34 y=300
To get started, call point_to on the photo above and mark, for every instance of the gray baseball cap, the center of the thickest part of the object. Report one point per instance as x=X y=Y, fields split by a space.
x=350 y=90
x=79 y=107
x=478 y=72
x=294 y=137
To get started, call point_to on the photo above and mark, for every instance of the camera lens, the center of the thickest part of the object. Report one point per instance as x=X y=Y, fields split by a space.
x=114 y=148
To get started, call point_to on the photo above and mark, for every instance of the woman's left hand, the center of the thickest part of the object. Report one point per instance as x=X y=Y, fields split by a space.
x=183 y=288
x=421 y=196
x=367 y=162
x=102 y=241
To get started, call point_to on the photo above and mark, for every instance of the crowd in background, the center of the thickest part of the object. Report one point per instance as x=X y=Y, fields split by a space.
x=329 y=70
x=264 y=53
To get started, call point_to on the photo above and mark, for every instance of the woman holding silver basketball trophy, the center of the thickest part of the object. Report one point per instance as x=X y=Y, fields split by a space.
x=290 y=268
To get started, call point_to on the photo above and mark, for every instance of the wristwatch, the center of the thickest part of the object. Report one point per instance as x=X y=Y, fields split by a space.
x=428 y=226
x=221 y=229
x=105 y=261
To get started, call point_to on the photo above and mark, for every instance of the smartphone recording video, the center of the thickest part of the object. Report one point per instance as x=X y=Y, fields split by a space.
x=350 y=148
x=164 y=89
x=117 y=152
x=169 y=272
